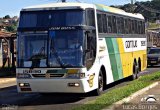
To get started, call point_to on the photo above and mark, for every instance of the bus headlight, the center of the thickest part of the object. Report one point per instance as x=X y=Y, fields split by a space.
x=22 y=75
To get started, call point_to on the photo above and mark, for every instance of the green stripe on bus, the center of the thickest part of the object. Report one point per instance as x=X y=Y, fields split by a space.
x=115 y=60
x=118 y=58
x=100 y=7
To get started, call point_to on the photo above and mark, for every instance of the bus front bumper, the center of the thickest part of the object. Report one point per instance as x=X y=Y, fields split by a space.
x=53 y=85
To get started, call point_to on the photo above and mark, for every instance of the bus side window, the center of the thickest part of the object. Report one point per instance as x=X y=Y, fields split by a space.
x=100 y=24
x=119 y=28
x=143 y=28
x=104 y=19
x=122 y=25
x=140 y=27
x=130 y=25
x=109 y=24
x=114 y=24
x=90 y=17
x=135 y=24
x=133 y=27
x=126 y=27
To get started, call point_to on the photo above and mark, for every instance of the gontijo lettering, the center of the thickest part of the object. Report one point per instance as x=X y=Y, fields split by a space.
x=131 y=43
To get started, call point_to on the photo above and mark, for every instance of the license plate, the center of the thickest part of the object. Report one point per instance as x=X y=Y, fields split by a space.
x=153 y=62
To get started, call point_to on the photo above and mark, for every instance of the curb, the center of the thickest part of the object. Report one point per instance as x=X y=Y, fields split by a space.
x=2 y=81
x=125 y=100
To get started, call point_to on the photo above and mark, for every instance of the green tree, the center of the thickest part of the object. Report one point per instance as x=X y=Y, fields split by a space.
x=12 y=28
x=7 y=17
x=149 y=9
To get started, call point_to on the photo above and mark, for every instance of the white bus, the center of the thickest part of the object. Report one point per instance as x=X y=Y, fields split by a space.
x=77 y=47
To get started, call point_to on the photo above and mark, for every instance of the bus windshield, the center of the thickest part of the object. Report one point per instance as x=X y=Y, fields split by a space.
x=57 y=49
x=154 y=51
x=65 y=48
x=51 y=18
x=32 y=50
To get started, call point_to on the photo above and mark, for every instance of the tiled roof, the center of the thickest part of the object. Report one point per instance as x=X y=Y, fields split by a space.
x=6 y=34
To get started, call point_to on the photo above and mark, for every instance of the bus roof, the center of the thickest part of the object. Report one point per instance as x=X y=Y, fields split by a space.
x=83 y=6
x=118 y=11
x=58 y=5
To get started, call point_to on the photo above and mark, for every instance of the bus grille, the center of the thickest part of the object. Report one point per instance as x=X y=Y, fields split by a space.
x=47 y=75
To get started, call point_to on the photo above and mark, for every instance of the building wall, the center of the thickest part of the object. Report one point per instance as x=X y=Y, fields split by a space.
x=153 y=39
x=1 y=54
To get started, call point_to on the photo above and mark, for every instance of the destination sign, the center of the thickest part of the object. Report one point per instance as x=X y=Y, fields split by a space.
x=131 y=43
x=63 y=28
x=134 y=44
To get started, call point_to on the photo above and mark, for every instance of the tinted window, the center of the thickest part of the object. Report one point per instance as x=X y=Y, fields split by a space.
x=133 y=27
x=126 y=26
x=118 y=25
x=90 y=17
x=100 y=24
x=109 y=24
x=136 y=27
x=122 y=25
x=51 y=18
x=114 y=24
x=130 y=25
x=143 y=27
x=154 y=51
x=104 y=20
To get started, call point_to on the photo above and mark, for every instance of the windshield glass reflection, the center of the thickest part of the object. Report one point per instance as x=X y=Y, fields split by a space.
x=65 y=48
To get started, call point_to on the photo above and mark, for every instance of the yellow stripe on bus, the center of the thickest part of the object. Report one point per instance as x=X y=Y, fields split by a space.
x=127 y=58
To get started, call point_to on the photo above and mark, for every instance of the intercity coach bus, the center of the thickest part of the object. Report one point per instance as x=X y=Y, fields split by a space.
x=78 y=47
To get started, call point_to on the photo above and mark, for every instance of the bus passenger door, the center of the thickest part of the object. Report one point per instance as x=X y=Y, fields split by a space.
x=90 y=48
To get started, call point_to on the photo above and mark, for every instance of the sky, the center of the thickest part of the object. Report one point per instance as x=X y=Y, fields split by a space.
x=13 y=7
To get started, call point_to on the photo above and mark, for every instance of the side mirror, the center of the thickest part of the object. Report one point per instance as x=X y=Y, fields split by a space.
x=88 y=33
x=87 y=50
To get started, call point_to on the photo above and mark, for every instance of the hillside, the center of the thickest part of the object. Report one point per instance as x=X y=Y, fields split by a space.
x=149 y=9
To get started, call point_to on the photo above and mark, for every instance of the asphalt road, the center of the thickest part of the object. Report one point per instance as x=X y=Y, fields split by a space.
x=9 y=98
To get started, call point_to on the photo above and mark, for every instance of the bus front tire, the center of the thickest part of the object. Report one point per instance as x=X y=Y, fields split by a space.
x=100 y=88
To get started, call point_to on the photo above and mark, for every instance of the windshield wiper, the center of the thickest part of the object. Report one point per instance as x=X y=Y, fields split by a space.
x=68 y=65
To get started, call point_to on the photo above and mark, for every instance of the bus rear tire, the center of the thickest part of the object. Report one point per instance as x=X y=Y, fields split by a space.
x=135 y=72
x=100 y=88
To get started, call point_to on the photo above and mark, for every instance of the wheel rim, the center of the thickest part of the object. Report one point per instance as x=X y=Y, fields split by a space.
x=100 y=82
x=135 y=76
x=135 y=73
